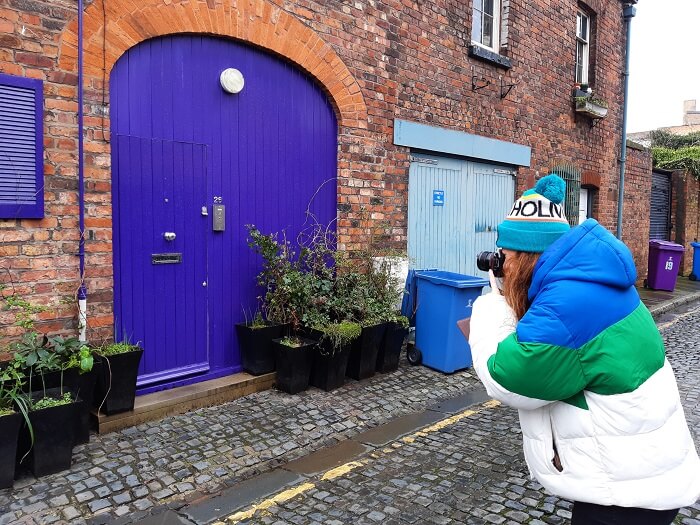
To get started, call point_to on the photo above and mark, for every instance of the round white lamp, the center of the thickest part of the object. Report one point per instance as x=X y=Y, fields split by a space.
x=232 y=80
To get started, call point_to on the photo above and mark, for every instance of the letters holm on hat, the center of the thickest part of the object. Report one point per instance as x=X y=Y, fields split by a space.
x=536 y=209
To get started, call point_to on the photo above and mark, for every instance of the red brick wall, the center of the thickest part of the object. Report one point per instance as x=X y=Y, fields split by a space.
x=684 y=215
x=635 y=210
x=377 y=60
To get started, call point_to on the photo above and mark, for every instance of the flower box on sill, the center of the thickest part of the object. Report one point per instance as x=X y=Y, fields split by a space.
x=591 y=107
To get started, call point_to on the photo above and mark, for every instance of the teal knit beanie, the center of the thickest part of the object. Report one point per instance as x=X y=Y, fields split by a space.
x=537 y=218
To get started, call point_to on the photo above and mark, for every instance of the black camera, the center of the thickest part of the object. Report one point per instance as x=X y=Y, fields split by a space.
x=486 y=261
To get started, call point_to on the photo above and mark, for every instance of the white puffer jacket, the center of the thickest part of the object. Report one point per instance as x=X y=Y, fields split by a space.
x=587 y=371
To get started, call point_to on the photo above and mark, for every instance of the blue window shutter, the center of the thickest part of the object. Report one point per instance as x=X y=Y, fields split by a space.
x=21 y=148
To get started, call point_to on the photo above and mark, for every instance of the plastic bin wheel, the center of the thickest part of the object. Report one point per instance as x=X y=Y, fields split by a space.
x=414 y=356
x=645 y=283
x=693 y=277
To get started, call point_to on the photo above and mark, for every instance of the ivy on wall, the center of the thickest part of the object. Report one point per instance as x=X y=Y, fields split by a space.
x=676 y=152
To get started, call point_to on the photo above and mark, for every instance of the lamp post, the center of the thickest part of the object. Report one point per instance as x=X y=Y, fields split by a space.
x=628 y=12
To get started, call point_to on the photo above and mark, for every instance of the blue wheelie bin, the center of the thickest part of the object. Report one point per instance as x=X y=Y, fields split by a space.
x=696 y=262
x=443 y=298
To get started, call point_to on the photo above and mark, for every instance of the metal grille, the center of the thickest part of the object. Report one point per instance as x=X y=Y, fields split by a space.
x=660 y=206
x=572 y=176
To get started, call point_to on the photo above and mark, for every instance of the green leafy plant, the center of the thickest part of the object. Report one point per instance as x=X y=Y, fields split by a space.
x=676 y=152
x=11 y=396
x=292 y=341
x=33 y=351
x=72 y=353
x=286 y=287
x=340 y=334
x=48 y=402
x=401 y=320
x=116 y=348
x=664 y=139
x=258 y=321
x=82 y=359
x=582 y=100
x=25 y=312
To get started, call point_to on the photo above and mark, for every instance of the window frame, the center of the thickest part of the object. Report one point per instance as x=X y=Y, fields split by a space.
x=33 y=210
x=586 y=41
x=496 y=26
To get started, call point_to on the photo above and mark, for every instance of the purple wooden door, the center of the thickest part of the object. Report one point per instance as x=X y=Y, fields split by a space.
x=161 y=254
x=270 y=155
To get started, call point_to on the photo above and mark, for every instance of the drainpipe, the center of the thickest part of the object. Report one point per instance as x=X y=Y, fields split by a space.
x=82 y=291
x=628 y=12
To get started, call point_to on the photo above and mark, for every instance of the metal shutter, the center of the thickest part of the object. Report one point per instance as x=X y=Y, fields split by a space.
x=660 y=206
x=21 y=148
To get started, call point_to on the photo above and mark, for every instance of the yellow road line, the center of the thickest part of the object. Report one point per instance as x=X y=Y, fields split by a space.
x=266 y=504
x=350 y=466
x=341 y=470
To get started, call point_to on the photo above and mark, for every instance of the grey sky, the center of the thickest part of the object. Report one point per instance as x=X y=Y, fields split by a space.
x=664 y=62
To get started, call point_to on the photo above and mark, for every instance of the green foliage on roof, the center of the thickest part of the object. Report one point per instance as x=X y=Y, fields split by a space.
x=676 y=152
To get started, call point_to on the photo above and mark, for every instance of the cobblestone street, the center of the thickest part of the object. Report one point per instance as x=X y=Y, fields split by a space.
x=461 y=468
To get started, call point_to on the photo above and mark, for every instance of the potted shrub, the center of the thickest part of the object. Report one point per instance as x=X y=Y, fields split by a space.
x=355 y=296
x=115 y=390
x=392 y=343
x=283 y=300
x=294 y=356
x=255 y=344
x=375 y=295
x=84 y=362
x=13 y=409
x=60 y=362
x=333 y=351
x=46 y=442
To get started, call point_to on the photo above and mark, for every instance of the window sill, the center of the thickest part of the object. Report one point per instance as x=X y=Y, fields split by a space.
x=481 y=53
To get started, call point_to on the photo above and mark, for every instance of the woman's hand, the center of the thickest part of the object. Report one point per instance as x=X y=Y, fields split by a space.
x=495 y=285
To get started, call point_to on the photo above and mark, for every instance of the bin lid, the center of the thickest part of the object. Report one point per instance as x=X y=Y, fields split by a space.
x=456 y=280
x=695 y=244
x=666 y=245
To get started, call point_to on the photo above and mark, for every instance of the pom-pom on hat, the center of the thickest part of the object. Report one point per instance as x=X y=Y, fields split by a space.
x=536 y=219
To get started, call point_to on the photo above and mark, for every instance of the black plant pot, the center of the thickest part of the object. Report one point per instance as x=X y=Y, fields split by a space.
x=50 y=380
x=9 y=432
x=328 y=372
x=363 y=353
x=293 y=365
x=255 y=344
x=85 y=388
x=54 y=436
x=390 y=348
x=115 y=389
x=311 y=333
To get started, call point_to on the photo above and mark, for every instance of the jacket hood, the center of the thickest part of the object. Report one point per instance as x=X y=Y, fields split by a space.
x=588 y=253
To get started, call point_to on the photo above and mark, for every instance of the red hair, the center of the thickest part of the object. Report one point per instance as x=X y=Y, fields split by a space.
x=517 y=276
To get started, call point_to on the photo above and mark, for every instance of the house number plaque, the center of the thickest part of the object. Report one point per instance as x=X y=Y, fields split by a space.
x=166 y=258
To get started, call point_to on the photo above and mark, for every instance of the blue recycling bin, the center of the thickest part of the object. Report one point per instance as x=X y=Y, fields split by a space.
x=696 y=262
x=443 y=298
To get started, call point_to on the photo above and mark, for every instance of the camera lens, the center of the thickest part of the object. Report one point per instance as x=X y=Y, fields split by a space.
x=483 y=261
x=486 y=261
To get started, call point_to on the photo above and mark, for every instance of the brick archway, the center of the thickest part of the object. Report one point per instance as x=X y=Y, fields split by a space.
x=254 y=21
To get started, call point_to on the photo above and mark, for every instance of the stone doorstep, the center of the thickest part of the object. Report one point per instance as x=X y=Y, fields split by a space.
x=151 y=407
